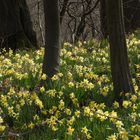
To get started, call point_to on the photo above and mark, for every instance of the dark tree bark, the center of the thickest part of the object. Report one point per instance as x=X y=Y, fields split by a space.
x=13 y=24
x=103 y=18
x=118 y=49
x=9 y=17
x=131 y=16
x=52 y=37
x=26 y=22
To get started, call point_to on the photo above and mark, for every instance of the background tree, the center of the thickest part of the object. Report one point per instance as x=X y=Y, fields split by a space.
x=80 y=20
x=118 y=49
x=15 y=25
x=52 y=37
x=131 y=14
x=103 y=18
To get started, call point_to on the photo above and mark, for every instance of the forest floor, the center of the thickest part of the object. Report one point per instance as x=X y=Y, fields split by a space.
x=78 y=102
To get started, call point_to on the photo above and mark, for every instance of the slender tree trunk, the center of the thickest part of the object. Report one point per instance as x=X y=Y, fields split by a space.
x=52 y=41
x=118 y=49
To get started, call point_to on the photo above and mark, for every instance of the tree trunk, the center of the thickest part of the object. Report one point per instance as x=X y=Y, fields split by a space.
x=14 y=26
x=131 y=16
x=52 y=41
x=118 y=49
x=103 y=18
x=26 y=22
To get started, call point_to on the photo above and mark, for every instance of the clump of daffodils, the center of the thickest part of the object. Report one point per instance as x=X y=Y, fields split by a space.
x=77 y=102
x=2 y=127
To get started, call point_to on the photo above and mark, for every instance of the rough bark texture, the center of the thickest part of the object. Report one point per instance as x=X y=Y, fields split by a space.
x=118 y=50
x=131 y=16
x=52 y=32
x=15 y=24
x=9 y=17
x=27 y=25
x=103 y=18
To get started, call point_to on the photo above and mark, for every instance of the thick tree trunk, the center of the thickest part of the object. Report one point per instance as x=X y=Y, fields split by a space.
x=131 y=16
x=26 y=22
x=14 y=27
x=9 y=17
x=52 y=41
x=103 y=18
x=118 y=49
